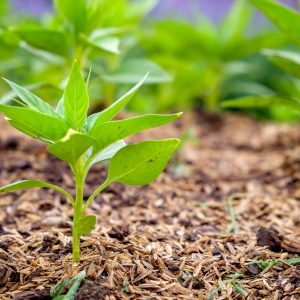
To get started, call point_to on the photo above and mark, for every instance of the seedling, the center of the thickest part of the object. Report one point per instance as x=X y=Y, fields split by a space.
x=57 y=291
x=83 y=141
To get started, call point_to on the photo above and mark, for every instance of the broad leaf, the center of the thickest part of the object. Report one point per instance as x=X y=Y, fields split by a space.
x=108 y=113
x=45 y=39
x=284 y=17
x=36 y=123
x=76 y=99
x=110 y=132
x=130 y=71
x=26 y=184
x=260 y=101
x=74 y=11
x=71 y=147
x=86 y=224
x=141 y=163
x=30 y=99
x=108 y=152
x=286 y=60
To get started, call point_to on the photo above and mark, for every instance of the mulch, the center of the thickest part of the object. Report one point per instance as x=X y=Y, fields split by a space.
x=221 y=222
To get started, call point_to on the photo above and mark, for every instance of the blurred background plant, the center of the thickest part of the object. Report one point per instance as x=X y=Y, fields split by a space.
x=212 y=51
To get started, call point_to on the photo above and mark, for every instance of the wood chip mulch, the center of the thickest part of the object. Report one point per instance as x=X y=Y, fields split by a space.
x=221 y=223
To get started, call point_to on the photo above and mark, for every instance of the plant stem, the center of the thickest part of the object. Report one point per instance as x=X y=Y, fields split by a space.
x=79 y=180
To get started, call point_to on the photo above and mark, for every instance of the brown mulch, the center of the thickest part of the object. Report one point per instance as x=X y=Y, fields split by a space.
x=220 y=222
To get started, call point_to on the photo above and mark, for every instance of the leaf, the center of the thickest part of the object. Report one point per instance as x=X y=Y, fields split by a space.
x=235 y=23
x=25 y=184
x=108 y=152
x=141 y=163
x=108 y=113
x=76 y=99
x=260 y=101
x=6 y=98
x=286 y=60
x=103 y=39
x=39 y=125
x=74 y=11
x=131 y=70
x=86 y=224
x=71 y=147
x=30 y=99
x=285 y=18
x=45 y=39
x=110 y=132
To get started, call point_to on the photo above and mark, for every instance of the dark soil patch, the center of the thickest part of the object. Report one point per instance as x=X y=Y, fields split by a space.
x=225 y=215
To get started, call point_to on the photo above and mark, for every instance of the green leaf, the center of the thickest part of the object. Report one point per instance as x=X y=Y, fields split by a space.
x=108 y=152
x=71 y=147
x=76 y=99
x=86 y=224
x=286 y=60
x=141 y=163
x=110 y=132
x=25 y=184
x=108 y=113
x=131 y=70
x=30 y=99
x=74 y=11
x=233 y=28
x=285 y=18
x=260 y=101
x=45 y=39
x=103 y=39
x=34 y=123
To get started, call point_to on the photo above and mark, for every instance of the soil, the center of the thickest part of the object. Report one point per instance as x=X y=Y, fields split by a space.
x=219 y=223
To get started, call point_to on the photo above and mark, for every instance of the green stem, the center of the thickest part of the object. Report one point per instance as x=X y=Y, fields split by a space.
x=79 y=180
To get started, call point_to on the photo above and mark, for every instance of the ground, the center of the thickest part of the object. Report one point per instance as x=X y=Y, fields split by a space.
x=220 y=223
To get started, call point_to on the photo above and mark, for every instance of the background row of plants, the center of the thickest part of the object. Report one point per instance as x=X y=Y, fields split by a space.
x=201 y=65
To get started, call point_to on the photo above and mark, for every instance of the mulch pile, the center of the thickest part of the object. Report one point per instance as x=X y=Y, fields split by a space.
x=221 y=223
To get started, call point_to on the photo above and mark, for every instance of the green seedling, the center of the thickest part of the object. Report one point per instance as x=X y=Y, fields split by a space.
x=83 y=141
x=264 y=264
x=73 y=284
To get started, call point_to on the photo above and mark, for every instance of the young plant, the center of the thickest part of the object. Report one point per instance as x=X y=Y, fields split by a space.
x=83 y=141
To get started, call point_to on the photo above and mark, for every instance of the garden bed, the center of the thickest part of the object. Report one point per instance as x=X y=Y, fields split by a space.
x=224 y=216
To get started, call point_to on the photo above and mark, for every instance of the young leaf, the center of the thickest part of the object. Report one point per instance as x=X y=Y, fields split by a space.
x=45 y=39
x=30 y=99
x=76 y=99
x=86 y=224
x=74 y=11
x=282 y=16
x=110 y=132
x=71 y=147
x=25 y=184
x=286 y=60
x=141 y=163
x=108 y=113
x=36 y=123
x=108 y=152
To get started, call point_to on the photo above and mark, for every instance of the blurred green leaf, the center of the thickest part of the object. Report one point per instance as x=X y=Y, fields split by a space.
x=286 y=60
x=86 y=224
x=285 y=18
x=130 y=71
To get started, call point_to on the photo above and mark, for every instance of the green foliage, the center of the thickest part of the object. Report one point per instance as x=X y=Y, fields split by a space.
x=82 y=141
x=210 y=62
x=288 y=21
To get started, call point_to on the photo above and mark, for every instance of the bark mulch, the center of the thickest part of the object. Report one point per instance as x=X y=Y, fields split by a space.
x=222 y=222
